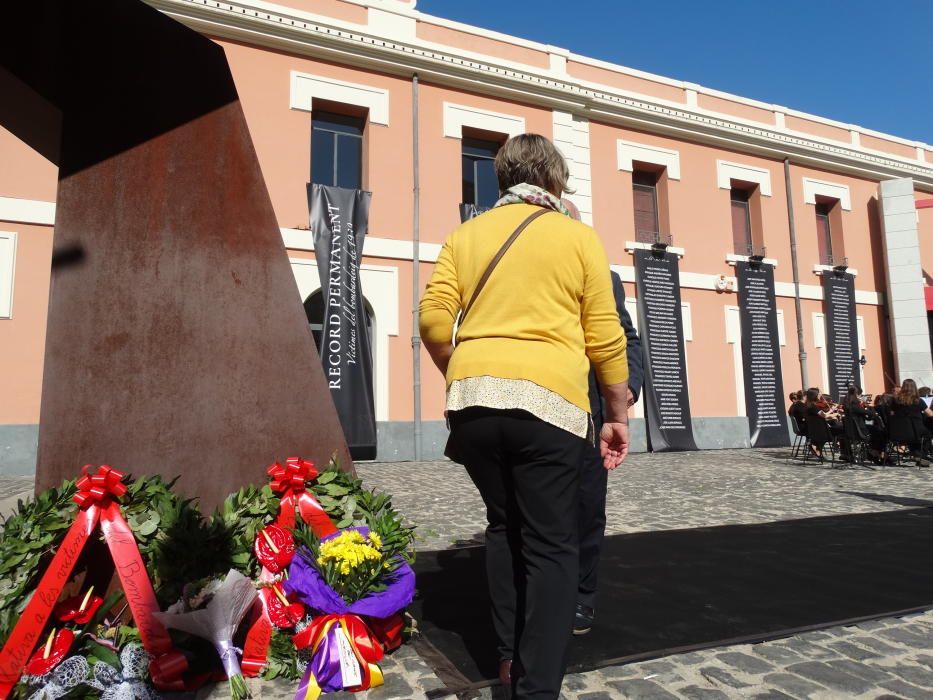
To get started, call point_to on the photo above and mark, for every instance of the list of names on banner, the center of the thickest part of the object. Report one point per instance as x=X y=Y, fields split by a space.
x=841 y=332
x=661 y=322
x=761 y=355
x=664 y=343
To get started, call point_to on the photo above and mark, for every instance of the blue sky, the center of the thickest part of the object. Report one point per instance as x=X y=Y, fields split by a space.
x=865 y=62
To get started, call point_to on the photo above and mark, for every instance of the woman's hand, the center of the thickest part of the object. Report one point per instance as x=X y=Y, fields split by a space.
x=613 y=444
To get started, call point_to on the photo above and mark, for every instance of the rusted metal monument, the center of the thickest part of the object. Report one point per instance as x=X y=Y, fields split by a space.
x=177 y=343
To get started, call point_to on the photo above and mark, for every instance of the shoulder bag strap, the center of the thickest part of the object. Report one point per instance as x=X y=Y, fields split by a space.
x=495 y=261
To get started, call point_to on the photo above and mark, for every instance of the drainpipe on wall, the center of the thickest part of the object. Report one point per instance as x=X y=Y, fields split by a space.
x=804 y=378
x=415 y=265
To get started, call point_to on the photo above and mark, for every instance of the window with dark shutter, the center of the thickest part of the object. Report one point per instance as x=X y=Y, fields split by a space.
x=824 y=240
x=337 y=150
x=741 y=222
x=645 y=194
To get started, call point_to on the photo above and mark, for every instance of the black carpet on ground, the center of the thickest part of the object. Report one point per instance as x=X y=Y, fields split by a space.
x=680 y=588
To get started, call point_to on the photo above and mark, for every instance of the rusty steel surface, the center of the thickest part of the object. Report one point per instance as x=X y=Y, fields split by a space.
x=177 y=343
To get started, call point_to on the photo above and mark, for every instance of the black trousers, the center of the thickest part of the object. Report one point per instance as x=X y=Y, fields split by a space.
x=527 y=472
x=594 y=479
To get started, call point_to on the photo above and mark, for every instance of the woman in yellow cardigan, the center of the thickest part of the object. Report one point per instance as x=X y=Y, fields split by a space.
x=517 y=395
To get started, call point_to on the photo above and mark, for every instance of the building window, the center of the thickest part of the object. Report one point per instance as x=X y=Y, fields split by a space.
x=741 y=221
x=824 y=236
x=337 y=150
x=645 y=194
x=480 y=185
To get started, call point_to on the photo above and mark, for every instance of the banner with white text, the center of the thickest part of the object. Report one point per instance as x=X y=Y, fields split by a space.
x=339 y=218
x=841 y=332
x=761 y=356
x=660 y=320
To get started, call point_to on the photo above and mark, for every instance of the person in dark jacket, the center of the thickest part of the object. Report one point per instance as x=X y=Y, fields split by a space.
x=594 y=477
x=798 y=411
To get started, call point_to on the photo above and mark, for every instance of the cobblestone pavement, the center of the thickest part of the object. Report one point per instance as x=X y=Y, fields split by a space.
x=666 y=491
x=890 y=658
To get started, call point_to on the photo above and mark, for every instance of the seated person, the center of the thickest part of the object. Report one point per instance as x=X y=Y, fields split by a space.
x=817 y=411
x=798 y=411
x=858 y=413
x=907 y=403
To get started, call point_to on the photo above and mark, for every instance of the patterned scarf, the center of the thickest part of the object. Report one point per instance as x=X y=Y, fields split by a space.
x=531 y=194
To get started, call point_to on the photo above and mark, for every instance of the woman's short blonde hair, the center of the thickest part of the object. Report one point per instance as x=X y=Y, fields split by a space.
x=533 y=159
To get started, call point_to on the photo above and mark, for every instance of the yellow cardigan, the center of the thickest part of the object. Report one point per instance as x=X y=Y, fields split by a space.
x=546 y=312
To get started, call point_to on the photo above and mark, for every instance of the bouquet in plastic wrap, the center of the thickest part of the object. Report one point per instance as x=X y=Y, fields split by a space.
x=213 y=613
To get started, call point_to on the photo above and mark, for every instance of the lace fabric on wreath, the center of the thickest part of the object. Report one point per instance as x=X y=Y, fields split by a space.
x=130 y=683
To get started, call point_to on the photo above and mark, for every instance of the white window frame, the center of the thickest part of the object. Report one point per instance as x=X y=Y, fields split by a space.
x=305 y=88
x=7 y=272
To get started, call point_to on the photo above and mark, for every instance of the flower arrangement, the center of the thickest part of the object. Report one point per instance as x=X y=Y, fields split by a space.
x=213 y=613
x=91 y=646
x=357 y=583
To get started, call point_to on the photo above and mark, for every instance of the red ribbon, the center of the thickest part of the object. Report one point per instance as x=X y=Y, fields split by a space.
x=256 y=647
x=367 y=648
x=289 y=482
x=96 y=497
x=387 y=630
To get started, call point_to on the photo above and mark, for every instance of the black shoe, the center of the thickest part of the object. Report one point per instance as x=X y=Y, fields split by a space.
x=583 y=619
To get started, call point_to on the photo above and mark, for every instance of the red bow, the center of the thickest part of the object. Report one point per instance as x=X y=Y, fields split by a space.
x=99 y=488
x=289 y=481
x=292 y=476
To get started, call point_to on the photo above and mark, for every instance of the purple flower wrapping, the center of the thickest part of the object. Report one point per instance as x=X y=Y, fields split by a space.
x=306 y=582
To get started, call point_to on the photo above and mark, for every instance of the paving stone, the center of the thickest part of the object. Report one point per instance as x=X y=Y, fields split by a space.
x=906 y=690
x=813 y=636
x=881 y=647
x=853 y=651
x=924 y=659
x=914 y=674
x=595 y=696
x=692 y=658
x=905 y=636
x=777 y=654
x=394 y=688
x=650 y=667
x=872 y=625
x=872 y=674
x=833 y=678
x=772 y=695
x=795 y=685
x=574 y=681
x=637 y=689
x=695 y=692
x=809 y=650
x=745 y=662
x=618 y=672
x=720 y=676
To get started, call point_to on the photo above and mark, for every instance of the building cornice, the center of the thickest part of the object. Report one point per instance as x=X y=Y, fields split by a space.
x=292 y=31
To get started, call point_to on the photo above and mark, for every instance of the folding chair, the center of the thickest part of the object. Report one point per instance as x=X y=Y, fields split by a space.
x=903 y=440
x=820 y=436
x=801 y=441
x=857 y=440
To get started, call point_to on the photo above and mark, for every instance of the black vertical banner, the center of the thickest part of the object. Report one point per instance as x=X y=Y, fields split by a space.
x=841 y=332
x=339 y=218
x=761 y=356
x=667 y=403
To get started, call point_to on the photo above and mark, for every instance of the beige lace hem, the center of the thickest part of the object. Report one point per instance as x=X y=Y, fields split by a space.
x=519 y=394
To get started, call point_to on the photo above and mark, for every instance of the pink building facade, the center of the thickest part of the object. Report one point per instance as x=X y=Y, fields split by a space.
x=718 y=174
